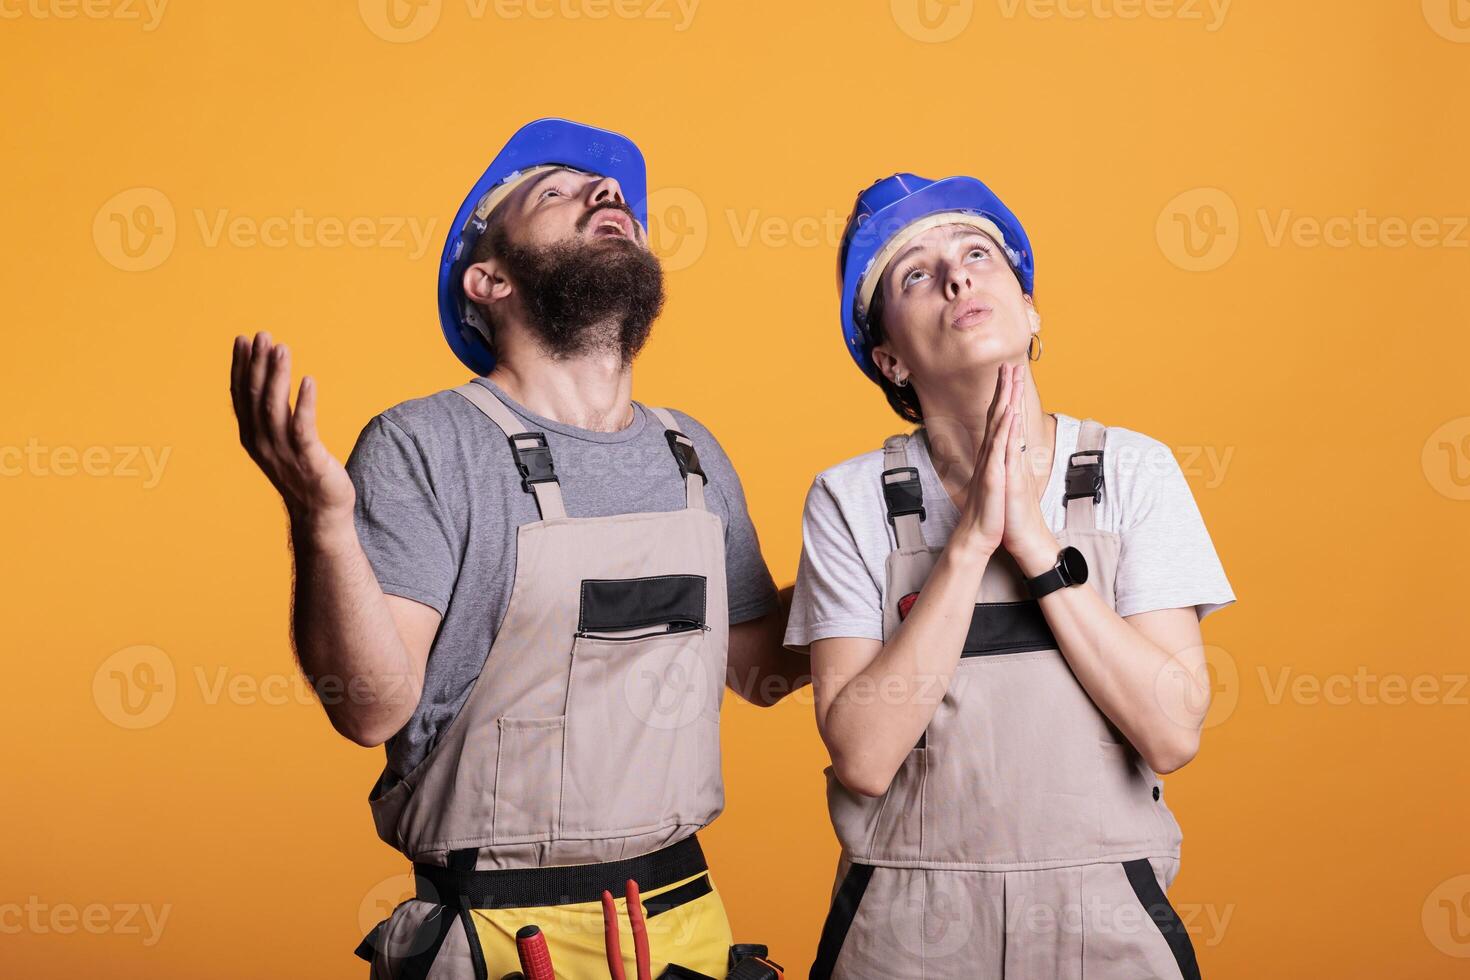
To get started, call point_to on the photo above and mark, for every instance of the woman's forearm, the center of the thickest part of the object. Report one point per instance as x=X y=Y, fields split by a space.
x=1155 y=697
x=878 y=715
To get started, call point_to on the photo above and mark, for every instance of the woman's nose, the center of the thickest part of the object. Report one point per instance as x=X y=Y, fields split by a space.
x=957 y=281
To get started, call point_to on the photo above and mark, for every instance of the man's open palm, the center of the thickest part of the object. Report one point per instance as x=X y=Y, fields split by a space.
x=283 y=442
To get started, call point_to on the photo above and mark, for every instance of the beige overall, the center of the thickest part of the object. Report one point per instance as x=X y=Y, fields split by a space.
x=1023 y=837
x=588 y=750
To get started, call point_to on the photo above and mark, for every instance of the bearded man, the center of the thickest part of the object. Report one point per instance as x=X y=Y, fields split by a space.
x=533 y=590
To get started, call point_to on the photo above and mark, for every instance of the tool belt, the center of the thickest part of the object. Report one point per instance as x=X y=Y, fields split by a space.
x=513 y=888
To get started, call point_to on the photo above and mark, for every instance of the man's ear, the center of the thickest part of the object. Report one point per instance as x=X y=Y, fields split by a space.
x=485 y=283
x=889 y=365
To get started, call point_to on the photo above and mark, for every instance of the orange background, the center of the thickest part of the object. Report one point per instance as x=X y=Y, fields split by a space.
x=1324 y=834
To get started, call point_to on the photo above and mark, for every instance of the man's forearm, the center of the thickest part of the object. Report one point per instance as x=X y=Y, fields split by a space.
x=761 y=670
x=345 y=636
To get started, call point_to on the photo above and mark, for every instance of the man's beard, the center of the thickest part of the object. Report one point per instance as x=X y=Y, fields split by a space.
x=585 y=297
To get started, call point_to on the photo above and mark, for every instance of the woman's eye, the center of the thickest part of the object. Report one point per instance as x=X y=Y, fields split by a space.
x=913 y=276
x=979 y=253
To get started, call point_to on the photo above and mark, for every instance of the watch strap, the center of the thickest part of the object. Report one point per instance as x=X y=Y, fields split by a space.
x=1047 y=582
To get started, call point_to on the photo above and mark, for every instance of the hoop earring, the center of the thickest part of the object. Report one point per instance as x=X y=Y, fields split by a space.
x=904 y=383
x=1039 y=346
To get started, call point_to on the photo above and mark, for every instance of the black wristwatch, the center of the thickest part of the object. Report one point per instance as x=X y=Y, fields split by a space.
x=1070 y=569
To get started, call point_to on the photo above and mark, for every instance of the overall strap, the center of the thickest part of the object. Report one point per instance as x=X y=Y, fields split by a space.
x=1085 y=477
x=903 y=496
x=529 y=449
x=683 y=449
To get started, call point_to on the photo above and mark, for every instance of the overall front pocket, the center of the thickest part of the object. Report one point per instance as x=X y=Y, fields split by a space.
x=643 y=704
x=528 y=779
x=643 y=734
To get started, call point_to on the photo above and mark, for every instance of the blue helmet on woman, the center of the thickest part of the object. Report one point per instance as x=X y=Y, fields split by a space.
x=535 y=146
x=890 y=213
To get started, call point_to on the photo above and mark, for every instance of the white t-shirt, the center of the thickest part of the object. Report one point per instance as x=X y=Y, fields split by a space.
x=1167 y=560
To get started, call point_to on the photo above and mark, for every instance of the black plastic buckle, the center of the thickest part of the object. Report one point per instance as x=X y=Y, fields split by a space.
x=903 y=496
x=1085 y=479
x=533 y=461
x=685 y=454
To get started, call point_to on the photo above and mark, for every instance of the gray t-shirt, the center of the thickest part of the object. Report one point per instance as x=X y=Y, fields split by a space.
x=439 y=501
x=1167 y=560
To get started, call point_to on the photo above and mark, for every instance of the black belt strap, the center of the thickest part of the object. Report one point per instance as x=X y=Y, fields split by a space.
x=568 y=885
x=675 y=897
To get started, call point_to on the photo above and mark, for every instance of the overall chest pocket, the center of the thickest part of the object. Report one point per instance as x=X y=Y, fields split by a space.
x=643 y=703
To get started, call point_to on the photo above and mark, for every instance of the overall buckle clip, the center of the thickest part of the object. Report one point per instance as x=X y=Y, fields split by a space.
x=685 y=454
x=1085 y=475
x=533 y=461
x=904 y=496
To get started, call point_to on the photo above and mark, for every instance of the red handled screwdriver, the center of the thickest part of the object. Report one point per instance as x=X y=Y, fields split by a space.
x=535 y=957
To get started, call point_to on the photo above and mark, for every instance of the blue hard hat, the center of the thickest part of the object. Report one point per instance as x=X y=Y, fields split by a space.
x=544 y=141
x=892 y=205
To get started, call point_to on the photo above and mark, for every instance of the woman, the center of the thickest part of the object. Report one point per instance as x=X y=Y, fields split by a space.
x=1002 y=610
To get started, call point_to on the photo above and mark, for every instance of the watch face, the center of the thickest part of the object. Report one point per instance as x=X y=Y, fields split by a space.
x=1074 y=566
